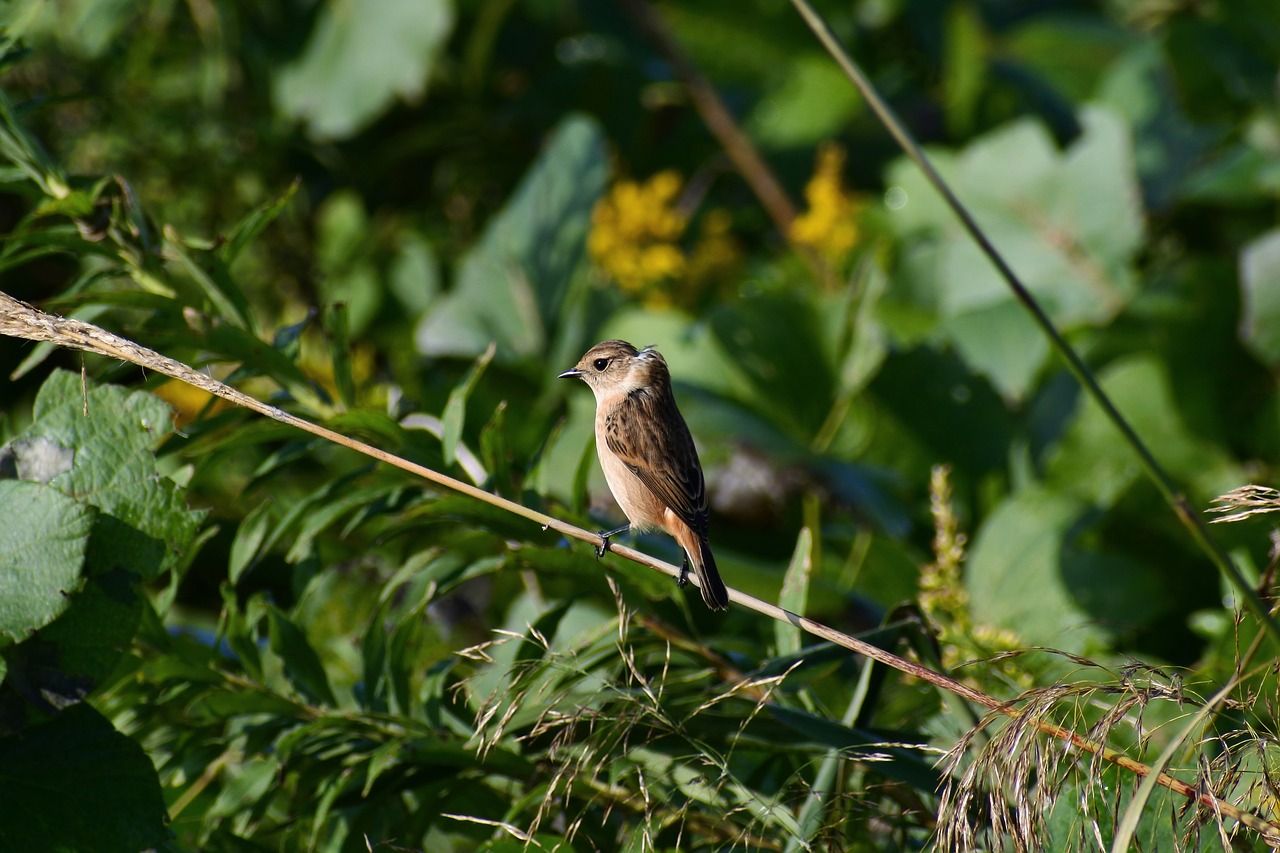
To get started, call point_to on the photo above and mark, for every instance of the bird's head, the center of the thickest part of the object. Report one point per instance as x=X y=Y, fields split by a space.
x=616 y=367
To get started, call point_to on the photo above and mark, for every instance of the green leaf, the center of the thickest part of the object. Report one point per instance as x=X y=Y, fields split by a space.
x=256 y=357
x=75 y=783
x=373 y=651
x=302 y=665
x=455 y=410
x=809 y=100
x=795 y=593
x=92 y=636
x=223 y=294
x=1094 y=461
x=905 y=765
x=1014 y=573
x=512 y=285
x=247 y=783
x=964 y=67
x=339 y=338
x=251 y=226
x=1069 y=224
x=345 y=267
x=414 y=276
x=342 y=498
x=19 y=147
x=776 y=343
x=361 y=56
x=246 y=545
x=44 y=536
x=494 y=450
x=1260 y=295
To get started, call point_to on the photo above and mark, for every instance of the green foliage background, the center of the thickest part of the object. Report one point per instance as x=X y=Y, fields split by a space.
x=230 y=636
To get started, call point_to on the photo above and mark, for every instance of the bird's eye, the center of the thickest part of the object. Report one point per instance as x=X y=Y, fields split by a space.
x=600 y=363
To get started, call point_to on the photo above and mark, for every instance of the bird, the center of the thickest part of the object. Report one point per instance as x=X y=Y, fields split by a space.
x=648 y=456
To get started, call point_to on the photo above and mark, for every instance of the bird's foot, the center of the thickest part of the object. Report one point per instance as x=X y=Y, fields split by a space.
x=683 y=580
x=605 y=536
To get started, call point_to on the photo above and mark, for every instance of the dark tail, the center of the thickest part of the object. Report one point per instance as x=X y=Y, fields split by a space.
x=713 y=591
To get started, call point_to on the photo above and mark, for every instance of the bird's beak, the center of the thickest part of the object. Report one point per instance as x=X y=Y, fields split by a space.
x=569 y=374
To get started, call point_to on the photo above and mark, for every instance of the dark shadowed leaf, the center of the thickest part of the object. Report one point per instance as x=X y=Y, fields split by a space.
x=48 y=772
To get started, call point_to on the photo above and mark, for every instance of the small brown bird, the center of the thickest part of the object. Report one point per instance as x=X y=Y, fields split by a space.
x=648 y=456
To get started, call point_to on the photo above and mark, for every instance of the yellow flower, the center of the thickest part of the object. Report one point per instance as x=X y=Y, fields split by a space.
x=188 y=401
x=635 y=231
x=716 y=254
x=829 y=226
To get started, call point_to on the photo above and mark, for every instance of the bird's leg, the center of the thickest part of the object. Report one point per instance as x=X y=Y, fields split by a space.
x=683 y=580
x=605 y=536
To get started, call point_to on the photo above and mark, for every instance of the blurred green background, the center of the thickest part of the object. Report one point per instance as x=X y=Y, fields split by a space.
x=340 y=206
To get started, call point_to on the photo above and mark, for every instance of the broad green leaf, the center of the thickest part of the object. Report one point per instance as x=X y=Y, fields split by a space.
x=809 y=100
x=1003 y=340
x=360 y=57
x=1260 y=294
x=776 y=346
x=1015 y=574
x=955 y=414
x=1094 y=461
x=511 y=286
x=1071 y=53
x=96 y=631
x=1069 y=225
x=44 y=536
x=75 y=783
x=1168 y=146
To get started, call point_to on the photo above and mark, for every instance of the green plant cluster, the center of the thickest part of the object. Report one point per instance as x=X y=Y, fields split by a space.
x=217 y=633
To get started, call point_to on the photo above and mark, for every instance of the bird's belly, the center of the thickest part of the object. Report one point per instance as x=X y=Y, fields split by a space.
x=640 y=505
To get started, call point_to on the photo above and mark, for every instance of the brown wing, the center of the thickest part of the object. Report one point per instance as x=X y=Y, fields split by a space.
x=665 y=460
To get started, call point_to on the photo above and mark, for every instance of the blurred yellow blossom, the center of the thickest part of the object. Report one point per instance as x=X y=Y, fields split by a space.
x=829 y=226
x=635 y=231
x=188 y=401
x=716 y=254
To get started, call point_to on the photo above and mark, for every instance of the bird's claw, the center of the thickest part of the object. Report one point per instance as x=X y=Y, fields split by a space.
x=683 y=579
x=605 y=536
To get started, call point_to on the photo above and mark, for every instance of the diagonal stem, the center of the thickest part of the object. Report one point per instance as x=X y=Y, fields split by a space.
x=1173 y=496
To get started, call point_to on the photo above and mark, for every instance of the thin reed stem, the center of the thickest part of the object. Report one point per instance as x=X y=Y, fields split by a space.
x=1163 y=482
